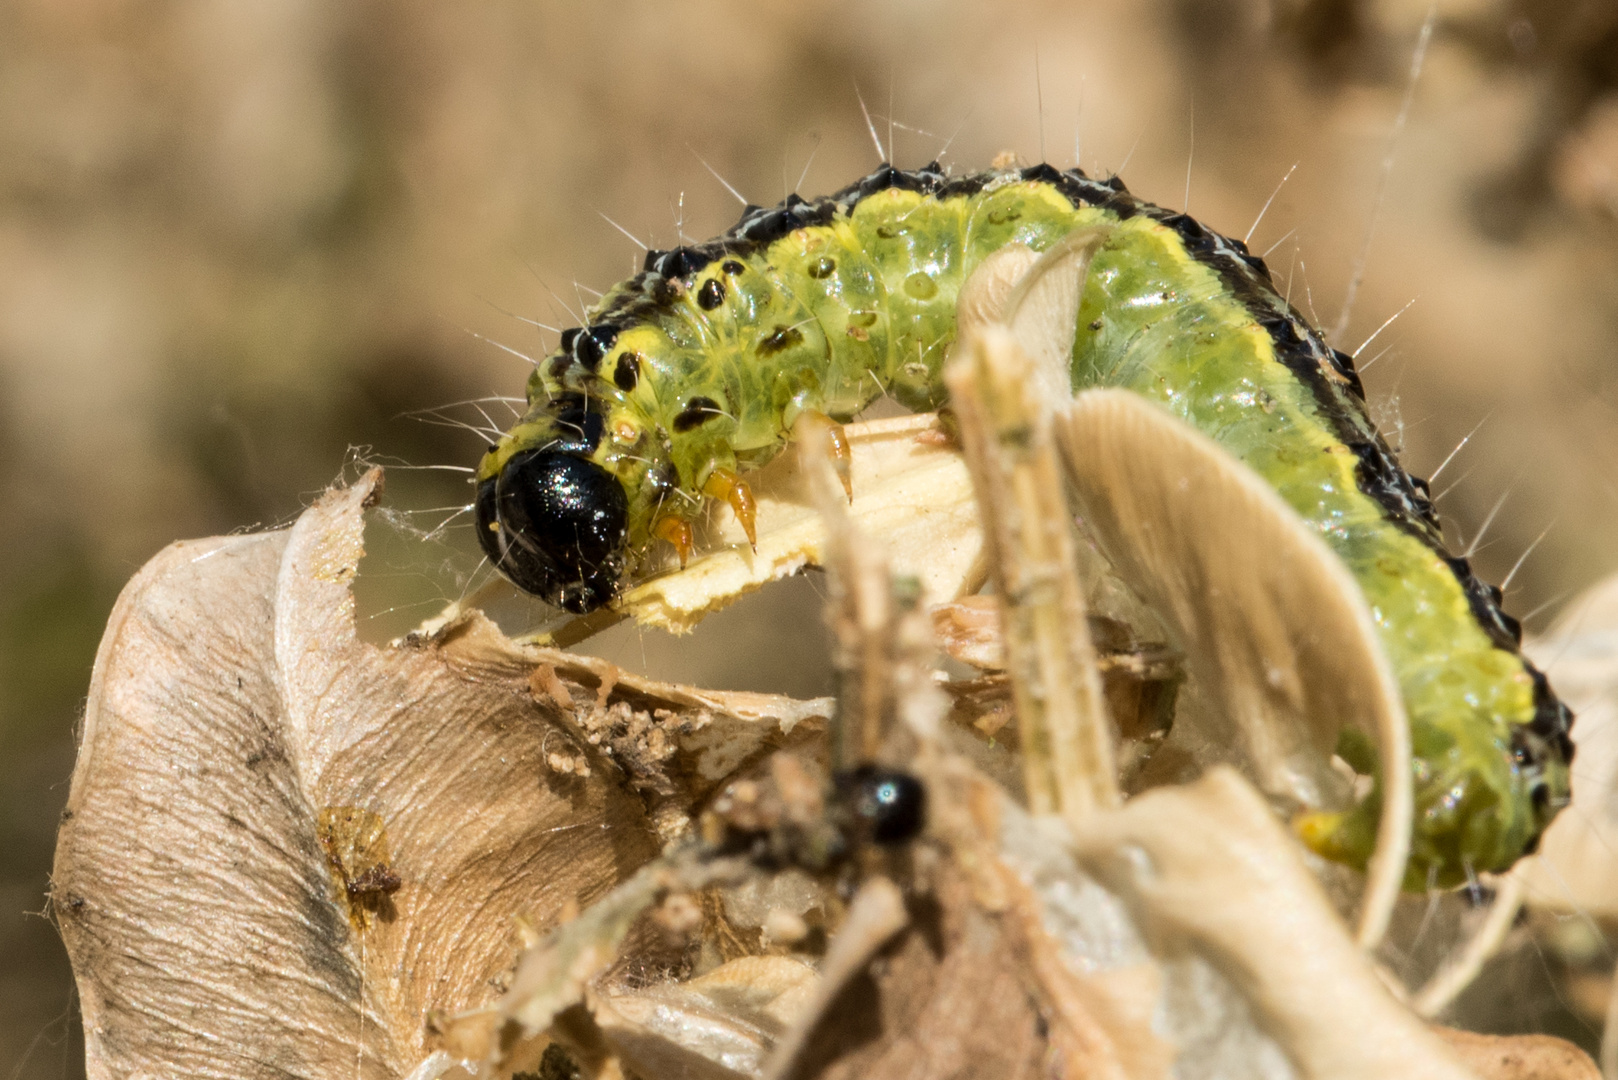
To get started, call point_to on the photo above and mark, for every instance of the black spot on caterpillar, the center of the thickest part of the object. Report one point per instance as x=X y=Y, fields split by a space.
x=825 y=303
x=627 y=373
x=711 y=295
x=697 y=411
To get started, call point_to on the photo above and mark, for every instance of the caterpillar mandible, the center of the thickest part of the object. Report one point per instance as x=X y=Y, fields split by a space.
x=701 y=367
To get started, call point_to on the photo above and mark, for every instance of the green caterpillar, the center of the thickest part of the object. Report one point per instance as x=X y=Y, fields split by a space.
x=701 y=366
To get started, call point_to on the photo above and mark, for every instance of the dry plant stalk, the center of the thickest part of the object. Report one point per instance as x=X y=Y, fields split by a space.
x=1068 y=760
x=864 y=622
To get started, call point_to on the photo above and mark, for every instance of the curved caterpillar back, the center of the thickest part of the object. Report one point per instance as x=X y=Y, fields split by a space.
x=701 y=367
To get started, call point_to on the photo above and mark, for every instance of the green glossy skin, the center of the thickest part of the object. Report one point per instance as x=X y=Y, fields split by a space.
x=829 y=315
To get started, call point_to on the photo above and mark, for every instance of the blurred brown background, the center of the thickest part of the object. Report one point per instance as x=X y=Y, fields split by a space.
x=239 y=239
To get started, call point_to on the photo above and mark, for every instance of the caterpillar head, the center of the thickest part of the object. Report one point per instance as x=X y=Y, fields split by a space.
x=552 y=520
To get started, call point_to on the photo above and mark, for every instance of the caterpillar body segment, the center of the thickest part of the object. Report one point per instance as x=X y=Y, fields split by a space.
x=701 y=367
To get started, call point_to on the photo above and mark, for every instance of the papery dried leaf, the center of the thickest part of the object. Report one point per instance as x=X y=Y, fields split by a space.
x=1042 y=312
x=1208 y=871
x=910 y=488
x=250 y=770
x=1272 y=625
x=232 y=702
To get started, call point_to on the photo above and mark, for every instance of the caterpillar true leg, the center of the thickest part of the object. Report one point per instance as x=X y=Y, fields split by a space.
x=811 y=422
x=724 y=484
x=677 y=531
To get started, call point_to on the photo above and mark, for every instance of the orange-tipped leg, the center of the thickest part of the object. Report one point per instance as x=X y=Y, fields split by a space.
x=725 y=484
x=842 y=458
x=677 y=531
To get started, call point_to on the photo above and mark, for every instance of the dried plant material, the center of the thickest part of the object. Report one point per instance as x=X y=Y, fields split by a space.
x=864 y=616
x=969 y=981
x=1004 y=377
x=781 y=926
x=955 y=994
x=231 y=700
x=674 y=743
x=1015 y=956
x=1036 y=295
x=887 y=697
x=1074 y=954
x=1576 y=869
x=975 y=986
x=1519 y=1057
x=356 y=845
x=1271 y=624
x=1066 y=739
x=984 y=295
x=1042 y=311
x=1577 y=866
x=968 y=630
x=1207 y=870
x=876 y=913
x=947 y=999
x=302 y=844
x=1140 y=681
x=549 y=998
x=721 y=1025
x=553 y=974
x=910 y=488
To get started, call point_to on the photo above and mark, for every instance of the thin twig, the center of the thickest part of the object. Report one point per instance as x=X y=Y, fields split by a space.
x=1061 y=717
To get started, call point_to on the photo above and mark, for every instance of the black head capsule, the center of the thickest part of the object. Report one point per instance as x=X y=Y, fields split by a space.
x=887 y=806
x=556 y=525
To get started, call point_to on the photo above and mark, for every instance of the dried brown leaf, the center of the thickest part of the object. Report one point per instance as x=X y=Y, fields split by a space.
x=947 y=1000
x=285 y=847
x=1069 y=948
